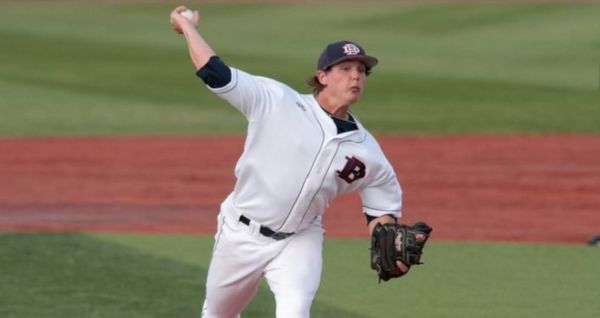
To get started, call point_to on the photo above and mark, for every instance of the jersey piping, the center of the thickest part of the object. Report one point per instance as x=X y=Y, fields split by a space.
x=312 y=166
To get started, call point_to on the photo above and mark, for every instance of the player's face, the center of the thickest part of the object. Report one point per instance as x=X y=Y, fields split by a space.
x=346 y=80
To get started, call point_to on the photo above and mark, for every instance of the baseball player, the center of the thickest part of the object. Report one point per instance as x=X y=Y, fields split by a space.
x=301 y=151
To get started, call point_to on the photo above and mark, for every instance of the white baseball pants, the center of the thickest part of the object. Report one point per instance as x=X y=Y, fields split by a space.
x=242 y=256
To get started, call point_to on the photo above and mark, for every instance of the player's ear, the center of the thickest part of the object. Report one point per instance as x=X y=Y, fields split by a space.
x=322 y=77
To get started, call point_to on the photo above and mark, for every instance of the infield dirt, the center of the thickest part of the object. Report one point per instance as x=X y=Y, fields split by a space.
x=507 y=188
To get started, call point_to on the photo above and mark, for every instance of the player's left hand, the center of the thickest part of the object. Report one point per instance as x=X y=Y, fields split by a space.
x=402 y=267
x=396 y=247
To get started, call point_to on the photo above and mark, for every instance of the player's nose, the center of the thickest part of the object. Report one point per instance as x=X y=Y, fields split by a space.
x=355 y=74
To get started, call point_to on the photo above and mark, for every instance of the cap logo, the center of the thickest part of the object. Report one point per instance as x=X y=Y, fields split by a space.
x=350 y=49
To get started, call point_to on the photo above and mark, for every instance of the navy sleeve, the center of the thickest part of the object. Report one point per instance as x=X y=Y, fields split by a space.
x=215 y=73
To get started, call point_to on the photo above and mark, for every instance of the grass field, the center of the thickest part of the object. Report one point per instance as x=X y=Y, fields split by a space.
x=69 y=69
x=98 y=69
x=102 y=275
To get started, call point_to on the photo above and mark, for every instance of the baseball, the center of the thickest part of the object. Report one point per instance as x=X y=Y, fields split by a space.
x=188 y=14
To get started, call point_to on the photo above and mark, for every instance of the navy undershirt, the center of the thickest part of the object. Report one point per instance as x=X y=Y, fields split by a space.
x=344 y=125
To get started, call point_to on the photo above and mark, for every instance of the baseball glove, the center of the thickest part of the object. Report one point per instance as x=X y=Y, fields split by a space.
x=393 y=242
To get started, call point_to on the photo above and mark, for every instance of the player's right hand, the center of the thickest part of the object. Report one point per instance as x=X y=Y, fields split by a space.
x=179 y=22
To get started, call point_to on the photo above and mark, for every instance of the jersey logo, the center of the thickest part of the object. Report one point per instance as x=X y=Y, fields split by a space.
x=350 y=49
x=301 y=106
x=353 y=170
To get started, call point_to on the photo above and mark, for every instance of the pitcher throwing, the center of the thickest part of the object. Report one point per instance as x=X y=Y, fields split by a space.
x=301 y=151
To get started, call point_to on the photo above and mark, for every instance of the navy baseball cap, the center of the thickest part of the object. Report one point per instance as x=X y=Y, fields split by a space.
x=341 y=51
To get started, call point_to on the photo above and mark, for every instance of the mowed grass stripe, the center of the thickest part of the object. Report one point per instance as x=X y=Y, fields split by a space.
x=117 y=69
x=108 y=275
x=454 y=106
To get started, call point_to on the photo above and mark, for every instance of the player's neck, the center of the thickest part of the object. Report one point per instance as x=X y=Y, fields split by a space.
x=333 y=107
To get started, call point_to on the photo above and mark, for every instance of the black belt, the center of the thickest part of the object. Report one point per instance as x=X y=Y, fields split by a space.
x=267 y=231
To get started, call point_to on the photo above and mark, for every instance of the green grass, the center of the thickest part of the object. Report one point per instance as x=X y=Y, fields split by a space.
x=114 y=69
x=104 y=275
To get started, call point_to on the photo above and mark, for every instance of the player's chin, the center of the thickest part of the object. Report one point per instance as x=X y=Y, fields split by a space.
x=354 y=95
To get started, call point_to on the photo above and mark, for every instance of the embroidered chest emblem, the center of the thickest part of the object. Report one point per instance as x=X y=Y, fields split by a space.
x=353 y=170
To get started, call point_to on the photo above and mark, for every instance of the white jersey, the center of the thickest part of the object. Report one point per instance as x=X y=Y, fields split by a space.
x=295 y=163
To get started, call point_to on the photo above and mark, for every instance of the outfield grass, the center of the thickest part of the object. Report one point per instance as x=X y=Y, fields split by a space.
x=113 y=69
x=103 y=275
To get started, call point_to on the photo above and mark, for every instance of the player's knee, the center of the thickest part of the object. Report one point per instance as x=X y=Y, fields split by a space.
x=294 y=305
